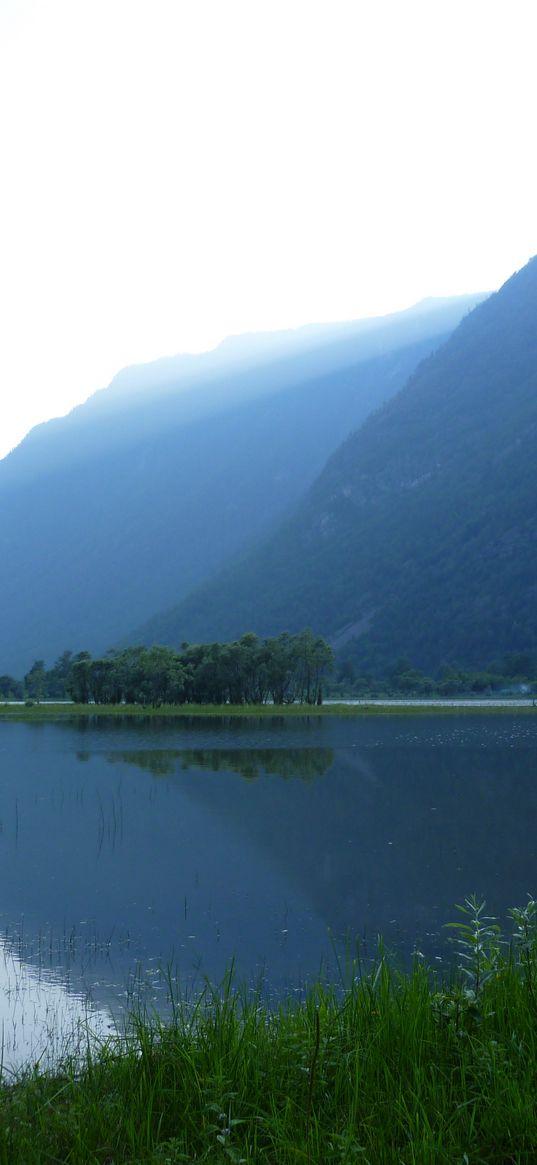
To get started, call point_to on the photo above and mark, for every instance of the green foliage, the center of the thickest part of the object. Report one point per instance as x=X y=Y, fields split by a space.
x=478 y=946
x=525 y=941
x=10 y=688
x=387 y=1068
x=35 y=681
x=78 y=680
x=287 y=764
x=401 y=679
x=248 y=671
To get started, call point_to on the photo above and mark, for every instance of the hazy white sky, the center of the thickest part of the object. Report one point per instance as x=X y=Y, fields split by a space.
x=174 y=171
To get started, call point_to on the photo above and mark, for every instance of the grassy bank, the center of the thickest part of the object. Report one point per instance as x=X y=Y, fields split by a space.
x=397 y=1068
x=51 y=711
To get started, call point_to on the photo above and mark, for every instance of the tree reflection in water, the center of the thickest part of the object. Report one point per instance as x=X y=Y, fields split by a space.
x=302 y=763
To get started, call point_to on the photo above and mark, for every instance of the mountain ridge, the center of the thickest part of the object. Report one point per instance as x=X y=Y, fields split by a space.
x=105 y=520
x=389 y=550
x=192 y=386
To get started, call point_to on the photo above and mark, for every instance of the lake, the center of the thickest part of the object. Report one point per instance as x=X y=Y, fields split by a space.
x=135 y=852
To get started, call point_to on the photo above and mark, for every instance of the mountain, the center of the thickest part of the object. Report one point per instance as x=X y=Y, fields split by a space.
x=419 y=537
x=137 y=496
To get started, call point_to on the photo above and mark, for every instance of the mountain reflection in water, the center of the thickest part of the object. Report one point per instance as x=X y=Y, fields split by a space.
x=271 y=842
x=41 y=1021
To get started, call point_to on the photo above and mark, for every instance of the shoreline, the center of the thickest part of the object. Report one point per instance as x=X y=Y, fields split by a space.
x=396 y=1067
x=348 y=708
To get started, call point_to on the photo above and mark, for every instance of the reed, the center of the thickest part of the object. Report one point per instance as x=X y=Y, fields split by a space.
x=390 y=1067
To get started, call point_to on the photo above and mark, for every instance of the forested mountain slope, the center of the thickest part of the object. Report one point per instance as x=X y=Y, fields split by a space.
x=137 y=496
x=419 y=538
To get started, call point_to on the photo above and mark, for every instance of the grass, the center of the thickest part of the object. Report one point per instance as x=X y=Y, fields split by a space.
x=395 y=1068
x=38 y=712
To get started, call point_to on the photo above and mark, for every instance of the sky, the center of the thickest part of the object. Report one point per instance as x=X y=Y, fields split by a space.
x=175 y=171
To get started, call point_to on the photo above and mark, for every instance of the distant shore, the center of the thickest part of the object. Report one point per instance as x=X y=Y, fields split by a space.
x=358 y=707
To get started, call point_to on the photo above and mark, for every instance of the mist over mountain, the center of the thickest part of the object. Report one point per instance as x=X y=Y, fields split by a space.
x=178 y=391
x=419 y=537
x=139 y=495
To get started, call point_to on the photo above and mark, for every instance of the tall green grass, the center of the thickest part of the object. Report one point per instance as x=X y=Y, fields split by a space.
x=392 y=1067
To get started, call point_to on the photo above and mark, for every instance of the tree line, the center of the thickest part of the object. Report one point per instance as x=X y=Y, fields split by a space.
x=283 y=670
x=513 y=673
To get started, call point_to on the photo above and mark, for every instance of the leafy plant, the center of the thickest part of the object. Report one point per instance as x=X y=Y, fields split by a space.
x=478 y=945
x=525 y=940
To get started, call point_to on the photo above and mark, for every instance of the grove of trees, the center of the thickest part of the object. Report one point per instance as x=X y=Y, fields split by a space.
x=282 y=670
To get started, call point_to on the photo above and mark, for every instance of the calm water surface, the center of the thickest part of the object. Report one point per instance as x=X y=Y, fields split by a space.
x=128 y=846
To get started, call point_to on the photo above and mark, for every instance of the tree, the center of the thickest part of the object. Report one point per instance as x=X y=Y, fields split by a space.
x=35 y=681
x=103 y=681
x=78 y=682
x=10 y=688
x=314 y=657
x=280 y=668
x=162 y=676
x=57 y=676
